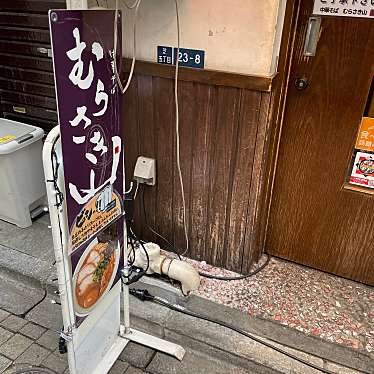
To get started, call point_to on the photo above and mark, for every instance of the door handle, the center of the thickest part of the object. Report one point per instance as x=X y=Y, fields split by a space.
x=312 y=35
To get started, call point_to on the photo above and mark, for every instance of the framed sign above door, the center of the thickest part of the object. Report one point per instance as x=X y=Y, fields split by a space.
x=344 y=8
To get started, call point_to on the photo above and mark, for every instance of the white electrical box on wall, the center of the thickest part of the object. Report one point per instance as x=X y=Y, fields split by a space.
x=145 y=170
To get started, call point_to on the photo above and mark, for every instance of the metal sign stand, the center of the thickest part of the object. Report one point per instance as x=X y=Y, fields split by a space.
x=88 y=237
x=129 y=334
x=94 y=346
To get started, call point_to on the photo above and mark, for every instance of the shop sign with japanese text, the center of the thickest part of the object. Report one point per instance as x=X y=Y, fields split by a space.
x=344 y=8
x=365 y=137
x=89 y=112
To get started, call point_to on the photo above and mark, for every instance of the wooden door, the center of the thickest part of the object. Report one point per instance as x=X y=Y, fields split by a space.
x=314 y=220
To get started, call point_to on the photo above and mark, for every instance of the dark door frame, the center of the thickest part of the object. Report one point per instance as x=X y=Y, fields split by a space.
x=277 y=108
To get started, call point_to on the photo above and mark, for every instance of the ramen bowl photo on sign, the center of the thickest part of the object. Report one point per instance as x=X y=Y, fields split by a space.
x=94 y=274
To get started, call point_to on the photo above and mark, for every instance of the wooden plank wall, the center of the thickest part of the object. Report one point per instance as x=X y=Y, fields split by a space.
x=223 y=132
x=26 y=74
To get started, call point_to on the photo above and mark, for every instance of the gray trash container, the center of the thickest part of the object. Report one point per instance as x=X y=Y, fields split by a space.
x=22 y=188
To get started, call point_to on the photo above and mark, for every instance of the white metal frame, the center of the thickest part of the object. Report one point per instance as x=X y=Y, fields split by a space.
x=103 y=326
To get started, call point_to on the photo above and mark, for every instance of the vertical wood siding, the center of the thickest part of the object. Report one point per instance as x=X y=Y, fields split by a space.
x=223 y=132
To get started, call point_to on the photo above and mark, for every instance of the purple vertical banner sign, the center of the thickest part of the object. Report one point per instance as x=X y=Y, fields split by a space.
x=89 y=112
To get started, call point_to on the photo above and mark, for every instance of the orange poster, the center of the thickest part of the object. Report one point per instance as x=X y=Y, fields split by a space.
x=365 y=137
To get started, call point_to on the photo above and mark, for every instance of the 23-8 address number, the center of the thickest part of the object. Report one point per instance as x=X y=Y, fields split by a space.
x=183 y=57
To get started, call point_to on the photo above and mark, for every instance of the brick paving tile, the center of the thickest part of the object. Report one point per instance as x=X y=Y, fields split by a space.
x=63 y=356
x=132 y=370
x=4 y=363
x=3 y=314
x=55 y=363
x=5 y=335
x=137 y=355
x=49 y=340
x=15 y=346
x=119 y=368
x=32 y=331
x=13 y=323
x=34 y=355
x=15 y=368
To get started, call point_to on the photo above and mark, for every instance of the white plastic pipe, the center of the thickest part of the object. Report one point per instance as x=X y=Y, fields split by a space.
x=182 y=272
x=173 y=268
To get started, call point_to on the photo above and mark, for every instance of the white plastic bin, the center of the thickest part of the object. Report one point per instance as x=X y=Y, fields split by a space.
x=22 y=188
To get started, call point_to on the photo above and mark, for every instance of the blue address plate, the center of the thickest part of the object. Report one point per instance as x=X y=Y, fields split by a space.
x=192 y=58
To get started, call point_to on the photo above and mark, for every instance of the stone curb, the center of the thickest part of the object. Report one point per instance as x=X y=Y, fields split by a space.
x=28 y=269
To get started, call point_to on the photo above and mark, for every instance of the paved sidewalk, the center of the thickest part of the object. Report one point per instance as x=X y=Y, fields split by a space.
x=24 y=343
x=209 y=348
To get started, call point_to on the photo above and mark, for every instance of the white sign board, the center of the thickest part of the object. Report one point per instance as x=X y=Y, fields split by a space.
x=344 y=8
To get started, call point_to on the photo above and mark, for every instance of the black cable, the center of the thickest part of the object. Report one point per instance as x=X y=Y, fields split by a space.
x=242 y=332
x=59 y=195
x=144 y=295
x=205 y=275
x=142 y=245
x=130 y=278
x=130 y=262
x=131 y=257
x=55 y=166
x=150 y=228
x=239 y=277
x=24 y=314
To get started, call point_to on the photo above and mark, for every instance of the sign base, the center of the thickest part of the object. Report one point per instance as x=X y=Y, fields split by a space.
x=151 y=341
x=111 y=357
